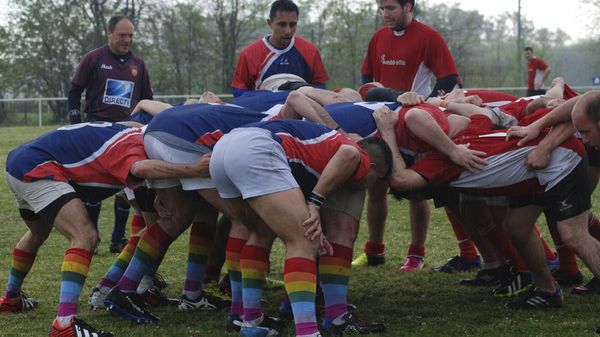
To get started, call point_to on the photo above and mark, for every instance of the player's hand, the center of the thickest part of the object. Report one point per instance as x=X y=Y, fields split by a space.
x=161 y=209
x=435 y=101
x=385 y=119
x=325 y=247
x=527 y=133
x=538 y=159
x=474 y=99
x=313 y=223
x=354 y=136
x=201 y=166
x=410 y=98
x=469 y=159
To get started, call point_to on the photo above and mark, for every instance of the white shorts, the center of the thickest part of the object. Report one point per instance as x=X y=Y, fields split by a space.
x=35 y=196
x=248 y=162
x=174 y=150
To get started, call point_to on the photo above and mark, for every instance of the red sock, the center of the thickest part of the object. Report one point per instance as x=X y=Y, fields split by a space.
x=137 y=224
x=549 y=252
x=418 y=252
x=374 y=248
x=465 y=245
x=594 y=226
x=567 y=260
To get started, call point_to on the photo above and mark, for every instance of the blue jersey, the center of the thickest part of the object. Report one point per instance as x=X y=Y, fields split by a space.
x=309 y=147
x=357 y=117
x=141 y=117
x=97 y=155
x=260 y=100
x=203 y=124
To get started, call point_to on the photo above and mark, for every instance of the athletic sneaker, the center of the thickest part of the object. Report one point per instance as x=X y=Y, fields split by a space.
x=591 y=287
x=117 y=247
x=233 y=323
x=458 y=264
x=412 y=264
x=96 y=299
x=270 y=326
x=16 y=305
x=538 y=299
x=519 y=283
x=155 y=298
x=204 y=302
x=488 y=277
x=129 y=306
x=365 y=259
x=553 y=263
x=351 y=325
x=77 y=328
x=567 y=279
x=214 y=289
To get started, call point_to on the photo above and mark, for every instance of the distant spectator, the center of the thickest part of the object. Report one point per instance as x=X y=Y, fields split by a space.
x=537 y=72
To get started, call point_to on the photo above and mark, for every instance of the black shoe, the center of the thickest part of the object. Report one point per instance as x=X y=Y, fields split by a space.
x=351 y=325
x=520 y=282
x=77 y=328
x=567 y=279
x=204 y=302
x=591 y=287
x=458 y=264
x=159 y=281
x=129 y=306
x=270 y=326
x=155 y=298
x=233 y=323
x=534 y=299
x=117 y=247
x=487 y=277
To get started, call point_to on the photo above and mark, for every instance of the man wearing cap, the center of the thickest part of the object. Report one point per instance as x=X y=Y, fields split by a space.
x=278 y=53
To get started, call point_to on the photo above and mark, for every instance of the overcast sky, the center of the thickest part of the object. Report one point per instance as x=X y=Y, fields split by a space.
x=570 y=16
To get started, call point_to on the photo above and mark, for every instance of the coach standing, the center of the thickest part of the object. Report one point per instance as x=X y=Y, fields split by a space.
x=114 y=80
x=537 y=73
x=280 y=52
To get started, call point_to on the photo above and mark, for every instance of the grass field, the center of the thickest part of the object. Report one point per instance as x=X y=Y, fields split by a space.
x=420 y=304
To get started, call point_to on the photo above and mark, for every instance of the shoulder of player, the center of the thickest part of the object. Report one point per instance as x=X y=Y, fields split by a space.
x=422 y=28
x=252 y=47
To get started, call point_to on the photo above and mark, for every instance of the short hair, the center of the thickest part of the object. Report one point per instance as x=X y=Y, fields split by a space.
x=114 y=20
x=528 y=49
x=380 y=153
x=592 y=109
x=283 y=6
x=403 y=2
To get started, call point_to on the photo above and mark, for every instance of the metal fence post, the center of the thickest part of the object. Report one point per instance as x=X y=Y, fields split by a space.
x=39 y=113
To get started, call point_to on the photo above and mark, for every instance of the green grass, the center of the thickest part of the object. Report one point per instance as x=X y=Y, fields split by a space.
x=421 y=304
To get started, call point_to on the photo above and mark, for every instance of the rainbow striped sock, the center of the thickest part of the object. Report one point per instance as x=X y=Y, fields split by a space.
x=199 y=247
x=254 y=263
x=21 y=265
x=232 y=262
x=115 y=272
x=334 y=272
x=149 y=253
x=300 y=276
x=73 y=273
x=137 y=223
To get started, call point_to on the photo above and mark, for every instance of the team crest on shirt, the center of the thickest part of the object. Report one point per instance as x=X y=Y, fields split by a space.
x=118 y=92
x=134 y=71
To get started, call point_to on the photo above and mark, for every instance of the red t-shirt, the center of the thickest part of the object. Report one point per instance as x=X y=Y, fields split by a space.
x=409 y=60
x=535 y=70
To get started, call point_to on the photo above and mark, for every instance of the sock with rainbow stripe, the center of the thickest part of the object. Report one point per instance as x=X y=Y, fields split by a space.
x=334 y=272
x=73 y=274
x=254 y=263
x=201 y=236
x=21 y=265
x=300 y=276
x=232 y=262
x=150 y=251
x=115 y=272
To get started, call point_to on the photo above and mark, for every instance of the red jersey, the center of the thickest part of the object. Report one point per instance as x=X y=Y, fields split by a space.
x=535 y=72
x=407 y=140
x=260 y=60
x=408 y=60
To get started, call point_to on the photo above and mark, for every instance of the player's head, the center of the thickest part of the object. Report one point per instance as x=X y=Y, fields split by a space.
x=380 y=154
x=283 y=20
x=528 y=52
x=120 y=34
x=586 y=117
x=397 y=14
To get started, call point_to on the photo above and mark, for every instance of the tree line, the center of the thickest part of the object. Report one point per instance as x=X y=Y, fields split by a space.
x=192 y=46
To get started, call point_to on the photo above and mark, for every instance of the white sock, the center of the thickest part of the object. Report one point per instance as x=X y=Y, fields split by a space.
x=64 y=321
x=145 y=283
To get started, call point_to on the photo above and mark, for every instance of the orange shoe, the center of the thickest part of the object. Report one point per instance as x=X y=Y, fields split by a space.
x=16 y=305
x=77 y=328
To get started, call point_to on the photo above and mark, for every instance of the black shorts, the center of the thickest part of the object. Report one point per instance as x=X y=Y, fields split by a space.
x=570 y=197
x=593 y=155
x=145 y=199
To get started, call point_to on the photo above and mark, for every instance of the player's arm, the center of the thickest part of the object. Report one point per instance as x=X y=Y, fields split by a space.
x=159 y=169
x=401 y=178
x=151 y=107
x=74 y=103
x=540 y=157
x=444 y=85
